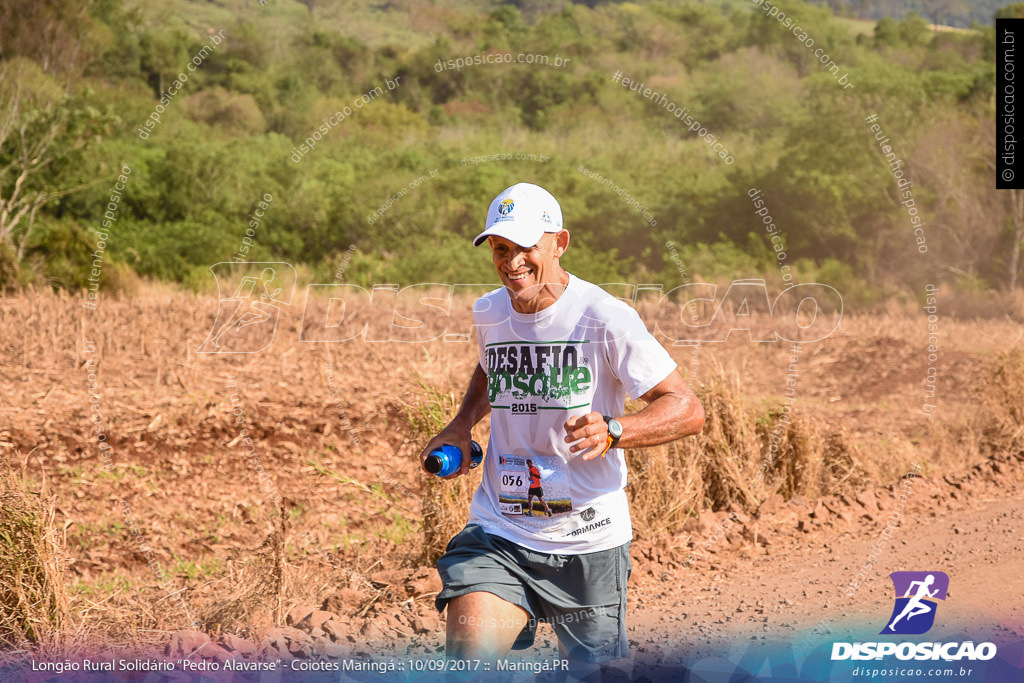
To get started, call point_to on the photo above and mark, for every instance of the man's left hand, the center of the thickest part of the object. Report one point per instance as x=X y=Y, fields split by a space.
x=588 y=435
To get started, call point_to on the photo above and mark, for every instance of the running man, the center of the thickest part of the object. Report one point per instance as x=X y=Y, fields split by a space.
x=558 y=356
x=916 y=605
x=535 y=489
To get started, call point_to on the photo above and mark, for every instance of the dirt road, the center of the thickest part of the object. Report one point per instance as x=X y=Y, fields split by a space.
x=797 y=588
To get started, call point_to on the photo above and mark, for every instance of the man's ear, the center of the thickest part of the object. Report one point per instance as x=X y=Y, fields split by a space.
x=561 y=242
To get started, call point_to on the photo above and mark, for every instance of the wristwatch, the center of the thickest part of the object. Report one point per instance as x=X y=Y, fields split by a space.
x=614 y=432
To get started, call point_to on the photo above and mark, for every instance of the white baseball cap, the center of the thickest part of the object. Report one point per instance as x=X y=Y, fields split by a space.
x=522 y=213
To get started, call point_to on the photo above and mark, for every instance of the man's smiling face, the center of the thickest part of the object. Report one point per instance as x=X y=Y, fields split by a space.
x=531 y=275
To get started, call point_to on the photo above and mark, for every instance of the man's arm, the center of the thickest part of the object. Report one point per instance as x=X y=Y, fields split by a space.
x=475 y=407
x=672 y=412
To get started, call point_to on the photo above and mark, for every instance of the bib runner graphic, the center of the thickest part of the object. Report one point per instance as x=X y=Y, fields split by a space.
x=534 y=376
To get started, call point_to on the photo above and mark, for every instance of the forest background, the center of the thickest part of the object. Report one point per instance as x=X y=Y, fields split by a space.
x=392 y=190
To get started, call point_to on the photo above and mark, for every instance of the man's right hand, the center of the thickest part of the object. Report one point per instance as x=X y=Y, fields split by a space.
x=454 y=435
x=458 y=432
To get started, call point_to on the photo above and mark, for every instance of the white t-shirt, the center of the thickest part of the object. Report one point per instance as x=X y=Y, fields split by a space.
x=583 y=353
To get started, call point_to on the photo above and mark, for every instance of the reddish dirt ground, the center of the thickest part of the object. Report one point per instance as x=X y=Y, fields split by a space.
x=967 y=525
x=331 y=426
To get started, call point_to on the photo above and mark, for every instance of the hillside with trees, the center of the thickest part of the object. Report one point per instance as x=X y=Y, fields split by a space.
x=410 y=145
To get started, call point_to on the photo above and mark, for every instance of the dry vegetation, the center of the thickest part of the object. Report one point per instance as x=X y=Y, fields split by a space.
x=345 y=511
x=32 y=561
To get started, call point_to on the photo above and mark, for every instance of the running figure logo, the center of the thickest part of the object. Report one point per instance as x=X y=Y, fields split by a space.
x=916 y=596
x=247 y=319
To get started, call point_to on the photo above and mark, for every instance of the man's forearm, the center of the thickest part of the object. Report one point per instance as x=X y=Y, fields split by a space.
x=669 y=417
x=475 y=404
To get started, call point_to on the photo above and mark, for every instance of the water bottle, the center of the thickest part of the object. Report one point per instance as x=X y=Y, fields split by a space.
x=448 y=459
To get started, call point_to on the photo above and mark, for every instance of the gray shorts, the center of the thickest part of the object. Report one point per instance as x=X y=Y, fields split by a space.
x=583 y=597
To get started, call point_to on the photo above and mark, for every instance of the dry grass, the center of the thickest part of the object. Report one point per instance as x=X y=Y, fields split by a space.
x=814 y=460
x=856 y=421
x=260 y=580
x=721 y=468
x=723 y=450
x=987 y=305
x=33 y=597
x=995 y=427
x=673 y=482
x=1001 y=420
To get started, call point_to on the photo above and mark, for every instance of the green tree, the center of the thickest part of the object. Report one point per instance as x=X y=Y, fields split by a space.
x=43 y=134
x=887 y=32
x=52 y=33
x=164 y=54
x=914 y=30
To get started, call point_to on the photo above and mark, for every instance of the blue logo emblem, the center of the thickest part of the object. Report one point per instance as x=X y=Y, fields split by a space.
x=917 y=594
x=505 y=208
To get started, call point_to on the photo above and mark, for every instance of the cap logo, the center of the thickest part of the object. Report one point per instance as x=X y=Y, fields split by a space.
x=546 y=217
x=505 y=208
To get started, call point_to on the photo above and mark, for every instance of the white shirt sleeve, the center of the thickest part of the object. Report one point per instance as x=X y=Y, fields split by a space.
x=638 y=360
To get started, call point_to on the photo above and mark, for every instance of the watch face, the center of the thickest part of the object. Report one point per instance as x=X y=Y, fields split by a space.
x=614 y=429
